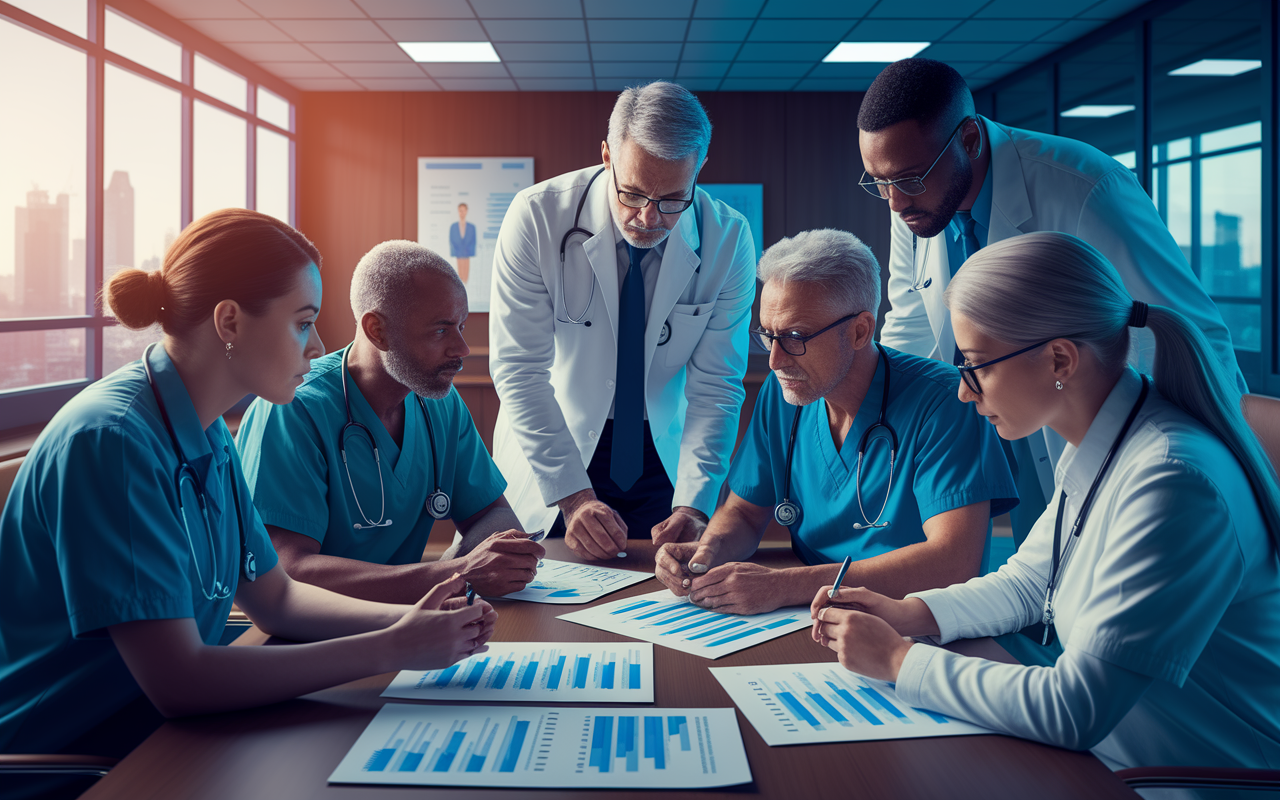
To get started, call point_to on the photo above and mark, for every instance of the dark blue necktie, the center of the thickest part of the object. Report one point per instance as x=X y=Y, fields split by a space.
x=969 y=242
x=626 y=459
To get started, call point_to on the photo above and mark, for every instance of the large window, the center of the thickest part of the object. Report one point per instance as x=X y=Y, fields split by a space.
x=102 y=122
x=1185 y=84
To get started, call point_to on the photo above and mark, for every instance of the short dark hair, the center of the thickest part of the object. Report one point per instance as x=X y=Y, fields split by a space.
x=919 y=89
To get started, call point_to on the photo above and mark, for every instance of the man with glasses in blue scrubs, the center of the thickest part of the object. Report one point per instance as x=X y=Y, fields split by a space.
x=860 y=450
x=377 y=445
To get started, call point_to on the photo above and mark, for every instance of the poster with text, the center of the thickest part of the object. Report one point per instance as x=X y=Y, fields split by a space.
x=461 y=203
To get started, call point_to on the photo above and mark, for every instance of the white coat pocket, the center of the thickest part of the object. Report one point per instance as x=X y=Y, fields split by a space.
x=687 y=323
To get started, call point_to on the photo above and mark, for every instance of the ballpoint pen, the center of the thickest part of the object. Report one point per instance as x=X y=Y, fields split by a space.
x=831 y=593
x=471 y=593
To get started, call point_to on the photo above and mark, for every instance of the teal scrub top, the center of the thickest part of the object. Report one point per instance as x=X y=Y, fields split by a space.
x=92 y=536
x=948 y=457
x=293 y=465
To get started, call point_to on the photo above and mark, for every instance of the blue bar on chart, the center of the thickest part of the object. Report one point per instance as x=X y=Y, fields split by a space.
x=380 y=759
x=504 y=672
x=655 y=744
x=853 y=705
x=736 y=623
x=580 y=671
x=627 y=742
x=511 y=754
x=447 y=675
x=777 y=623
x=633 y=678
x=601 y=742
x=933 y=715
x=553 y=679
x=444 y=759
x=530 y=672
x=476 y=762
x=634 y=606
x=797 y=708
x=878 y=699
x=473 y=674
x=606 y=675
x=679 y=725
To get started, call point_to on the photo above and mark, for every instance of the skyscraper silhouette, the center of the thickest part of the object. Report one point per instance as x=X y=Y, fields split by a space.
x=41 y=242
x=117 y=225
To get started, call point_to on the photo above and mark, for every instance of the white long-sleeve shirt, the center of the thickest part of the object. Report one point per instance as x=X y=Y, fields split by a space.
x=1168 y=610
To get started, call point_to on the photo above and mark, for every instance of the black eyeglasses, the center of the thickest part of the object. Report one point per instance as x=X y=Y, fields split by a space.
x=969 y=372
x=794 y=343
x=635 y=200
x=908 y=186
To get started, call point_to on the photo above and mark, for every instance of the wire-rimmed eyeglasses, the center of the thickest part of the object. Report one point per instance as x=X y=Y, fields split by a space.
x=909 y=186
x=794 y=343
x=969 y=372
x=666 y=206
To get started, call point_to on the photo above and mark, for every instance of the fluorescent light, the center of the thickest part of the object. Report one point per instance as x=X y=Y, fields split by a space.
x=1096 y=111
x=442 y=52
x=1217 y=67
x=874 y=52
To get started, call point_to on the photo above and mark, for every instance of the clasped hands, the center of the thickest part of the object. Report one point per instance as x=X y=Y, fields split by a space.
x=697 y=570
x=594 y=530
x=866 y=630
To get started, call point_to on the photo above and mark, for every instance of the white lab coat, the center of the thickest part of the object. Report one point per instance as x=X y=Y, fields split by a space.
x=1051 y=183
x=555 y=379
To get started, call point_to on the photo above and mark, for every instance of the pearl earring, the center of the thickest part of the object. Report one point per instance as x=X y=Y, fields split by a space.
x=231 y=347
x=1055 y=383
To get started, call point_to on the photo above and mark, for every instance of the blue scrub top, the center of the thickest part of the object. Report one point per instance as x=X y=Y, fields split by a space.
x=92 y=536
x=293 y=465
x=462 y=244
x=948 y=457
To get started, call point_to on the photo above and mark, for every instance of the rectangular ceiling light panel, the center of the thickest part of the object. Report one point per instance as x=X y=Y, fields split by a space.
x=1217 y=67
x=874 y=52
x=1098 y=111
x=450 y=52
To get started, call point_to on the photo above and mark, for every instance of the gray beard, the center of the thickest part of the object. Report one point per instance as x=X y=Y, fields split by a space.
x=430 y=385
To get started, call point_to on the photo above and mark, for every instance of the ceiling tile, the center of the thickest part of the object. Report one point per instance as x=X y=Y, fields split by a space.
x=1111 y=9
x=833 y=85
x=847 y=70
x=777 y=51
x=294 y=69
x=757 y=84
x=430 y=30
x=477 y=84
x=380 y=69
x=400 y=85
x=801 y=30
x=306 y=9
x=710 y=51
x=324 y=30
x=524 y=9
x=205 y=9
x=770 y=69
x=1071 y=30
x=558 y=51
x=618 y=84
x=702 y=69
x=698 y=84
x=631 y=30
x=893 y=30
x=556 y=85
x=810 y=9
x=359 y=51
x=1031 y=52
x=466 y=70
x=627 y=69
x=967 y=68
x=273 y=51
x=930 y=9
x=965 y=51
x=653 y=9
x=416 y=9
x=718 y=30
x=635 y=51
x=326 y=84
x=1001 y=30
x=550 y=69
x=537 y=30
x=239 y=30
x=728 y=9
x=1021 y=9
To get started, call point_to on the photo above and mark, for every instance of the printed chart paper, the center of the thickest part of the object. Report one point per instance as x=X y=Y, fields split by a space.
x=538 y=672
x=662 y=618
x=555 y=748
x=808 y=703
x=569 y=583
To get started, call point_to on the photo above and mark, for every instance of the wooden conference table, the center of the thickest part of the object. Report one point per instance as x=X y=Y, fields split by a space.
x=288 y=750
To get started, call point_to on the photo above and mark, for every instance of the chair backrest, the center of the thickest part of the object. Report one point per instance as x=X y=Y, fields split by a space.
x=1263 y=415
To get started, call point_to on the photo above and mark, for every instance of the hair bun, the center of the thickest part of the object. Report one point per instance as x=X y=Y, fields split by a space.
x=136 y=297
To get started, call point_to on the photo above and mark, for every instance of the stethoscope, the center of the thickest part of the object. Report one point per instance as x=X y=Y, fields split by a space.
x=1060 y=558
x=789 y=512
x=438 y=503
x=185 y=472
x=916 y=285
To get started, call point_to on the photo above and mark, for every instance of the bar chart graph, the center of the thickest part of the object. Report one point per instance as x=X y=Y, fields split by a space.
x=564 y=582
x=662 y=618
x=808 y=703
x=538 y=672
x=547 y=747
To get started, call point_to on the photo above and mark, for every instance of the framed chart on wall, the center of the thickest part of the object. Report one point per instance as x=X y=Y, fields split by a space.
x=461 y=203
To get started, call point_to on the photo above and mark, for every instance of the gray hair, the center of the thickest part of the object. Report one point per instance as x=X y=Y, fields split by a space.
x=664 y=118
x=1040 y=286
x=384 y=278
x=838 y=260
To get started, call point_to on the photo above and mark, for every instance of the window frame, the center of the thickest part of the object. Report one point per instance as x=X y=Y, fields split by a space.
x=23 y=407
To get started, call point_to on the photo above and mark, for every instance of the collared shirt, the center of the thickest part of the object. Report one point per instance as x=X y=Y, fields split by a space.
x=948 y=457
x=293 y=464
x=92 y=536
x=649 y=264
x=981 y=213
x=1168 y=609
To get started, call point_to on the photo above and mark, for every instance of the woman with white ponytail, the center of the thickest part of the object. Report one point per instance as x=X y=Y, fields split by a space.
x=1156 y=564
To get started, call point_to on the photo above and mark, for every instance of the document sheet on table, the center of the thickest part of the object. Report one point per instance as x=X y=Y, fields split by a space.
x=567 y=583
x=538 y=747
x=808 y=703
x=539 y=672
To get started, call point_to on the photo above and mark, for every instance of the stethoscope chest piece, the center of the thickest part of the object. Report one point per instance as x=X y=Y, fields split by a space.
x=664 y=335
x=787 y=513
x=250 y=566
x=439 y=504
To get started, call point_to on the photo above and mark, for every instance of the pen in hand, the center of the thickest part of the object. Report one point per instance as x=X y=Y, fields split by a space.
x=471 y=593
x=834 y=590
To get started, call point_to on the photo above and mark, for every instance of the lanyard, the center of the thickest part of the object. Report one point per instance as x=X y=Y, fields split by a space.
x=1060 y=558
